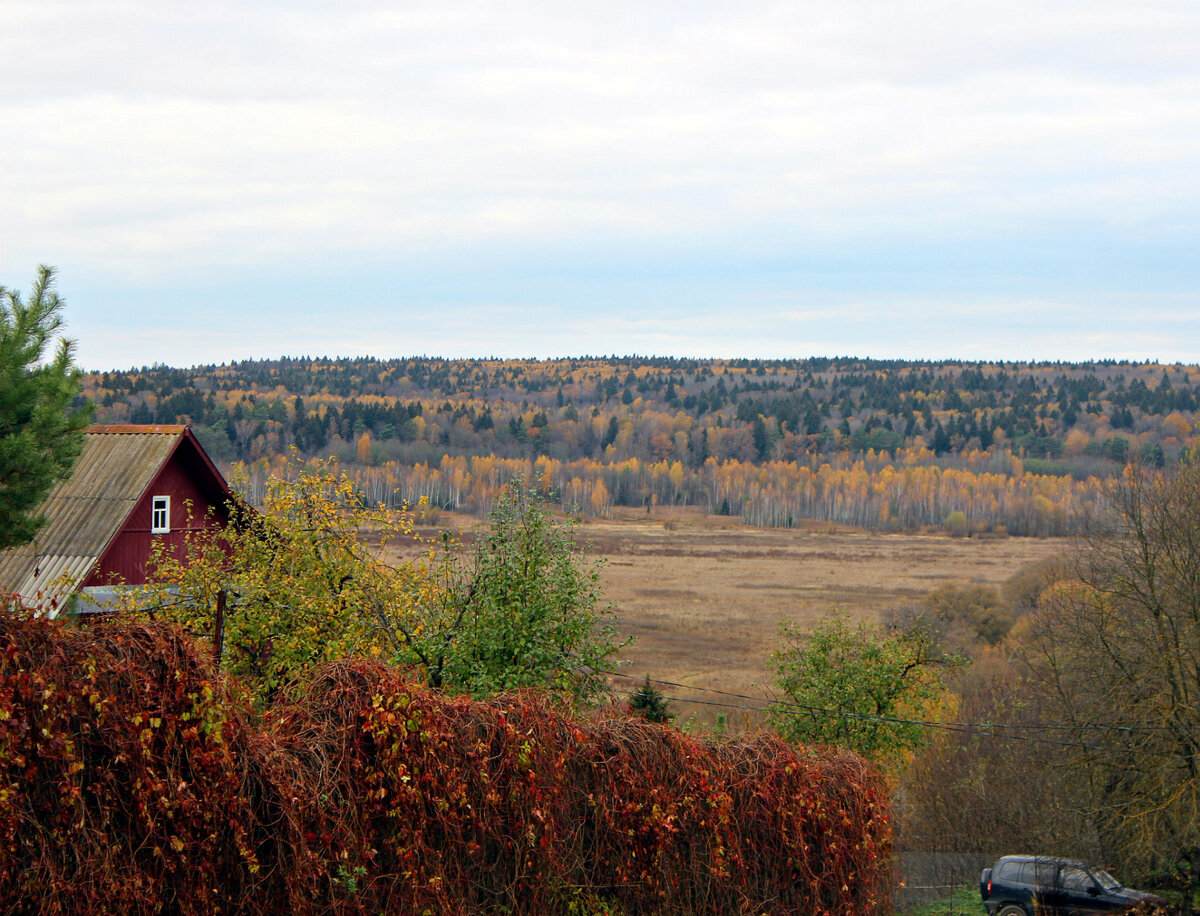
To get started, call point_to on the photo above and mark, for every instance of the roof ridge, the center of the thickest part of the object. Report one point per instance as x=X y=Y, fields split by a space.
x=171 y=429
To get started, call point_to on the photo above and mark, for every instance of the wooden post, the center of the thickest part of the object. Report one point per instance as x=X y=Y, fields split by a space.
x=219 y=630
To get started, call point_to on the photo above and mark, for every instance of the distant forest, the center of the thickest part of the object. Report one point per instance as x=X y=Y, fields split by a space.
x=970 y=448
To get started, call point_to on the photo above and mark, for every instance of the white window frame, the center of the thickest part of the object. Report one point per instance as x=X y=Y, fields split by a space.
x=160 y=504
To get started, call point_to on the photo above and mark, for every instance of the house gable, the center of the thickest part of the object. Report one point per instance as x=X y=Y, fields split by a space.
x=197 y=500
x=99 y=520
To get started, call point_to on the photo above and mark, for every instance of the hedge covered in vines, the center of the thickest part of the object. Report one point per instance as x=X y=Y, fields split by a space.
x=134 y=780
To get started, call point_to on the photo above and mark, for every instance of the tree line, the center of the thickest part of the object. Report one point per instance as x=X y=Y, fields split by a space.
x=1012 y=446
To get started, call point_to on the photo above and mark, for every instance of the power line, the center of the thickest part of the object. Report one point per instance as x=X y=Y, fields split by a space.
x=882 y=718
x=986 y=730
x=852 y=715
x=977 y=730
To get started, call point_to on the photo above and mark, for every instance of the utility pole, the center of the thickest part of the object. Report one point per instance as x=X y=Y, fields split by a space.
x=219 y=630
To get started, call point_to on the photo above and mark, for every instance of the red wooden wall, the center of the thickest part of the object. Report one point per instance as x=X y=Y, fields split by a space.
x=184 y=478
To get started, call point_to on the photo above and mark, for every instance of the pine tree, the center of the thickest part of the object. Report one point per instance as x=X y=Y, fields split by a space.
x=41 y=433
x=650 y=703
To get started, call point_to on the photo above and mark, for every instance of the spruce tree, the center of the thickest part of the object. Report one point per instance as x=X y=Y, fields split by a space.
x=650 y=703
x=41 y=432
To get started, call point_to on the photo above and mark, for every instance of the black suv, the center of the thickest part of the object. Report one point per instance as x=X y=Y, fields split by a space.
x=1036 y=885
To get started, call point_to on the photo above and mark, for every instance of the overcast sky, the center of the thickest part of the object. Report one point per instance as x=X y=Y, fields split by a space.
x=928 y=179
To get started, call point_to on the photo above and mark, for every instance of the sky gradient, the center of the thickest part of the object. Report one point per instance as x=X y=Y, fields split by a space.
x=224 y=181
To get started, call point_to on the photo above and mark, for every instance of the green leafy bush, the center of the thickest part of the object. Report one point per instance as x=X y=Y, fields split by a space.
x=857 y=688
x=524 y=611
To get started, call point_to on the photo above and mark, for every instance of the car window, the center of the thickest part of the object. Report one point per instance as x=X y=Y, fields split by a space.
x=1008 y=871
x=1047 y=874
x=1075 y=879
x=1107 y=881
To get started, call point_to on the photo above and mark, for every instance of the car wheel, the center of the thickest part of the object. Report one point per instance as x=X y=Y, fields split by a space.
x=1013 y=909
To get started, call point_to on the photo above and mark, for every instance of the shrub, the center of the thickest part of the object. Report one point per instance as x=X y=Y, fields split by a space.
x=956 y=523
x=130 y=775
x=134 y=780
x=857 y=688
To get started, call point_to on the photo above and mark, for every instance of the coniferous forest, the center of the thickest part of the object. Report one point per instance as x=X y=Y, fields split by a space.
x=971 y=448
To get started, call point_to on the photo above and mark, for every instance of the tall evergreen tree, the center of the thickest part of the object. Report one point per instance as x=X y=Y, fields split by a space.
x=762 y=442
x=41 y=433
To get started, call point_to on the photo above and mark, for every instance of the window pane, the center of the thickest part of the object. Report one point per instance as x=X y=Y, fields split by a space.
x=160 y=516
x=1107 y=881
x=1075 y=879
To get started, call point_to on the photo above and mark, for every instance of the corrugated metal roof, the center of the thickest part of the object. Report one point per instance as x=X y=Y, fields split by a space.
x=84 y=512
x=52 y=578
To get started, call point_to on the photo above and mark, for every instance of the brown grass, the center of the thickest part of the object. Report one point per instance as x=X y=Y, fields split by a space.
x=703 y=596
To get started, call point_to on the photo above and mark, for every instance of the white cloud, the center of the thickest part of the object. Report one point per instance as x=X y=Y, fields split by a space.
x=148 y=140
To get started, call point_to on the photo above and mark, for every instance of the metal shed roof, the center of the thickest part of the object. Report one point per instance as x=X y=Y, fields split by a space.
x=85 y=512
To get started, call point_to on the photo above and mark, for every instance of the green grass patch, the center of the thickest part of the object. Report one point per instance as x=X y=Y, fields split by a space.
x=963 y=902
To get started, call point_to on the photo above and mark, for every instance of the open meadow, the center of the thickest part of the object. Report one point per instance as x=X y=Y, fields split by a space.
x=703 y=596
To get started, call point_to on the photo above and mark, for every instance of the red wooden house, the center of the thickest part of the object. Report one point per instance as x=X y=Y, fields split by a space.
x=131 y=487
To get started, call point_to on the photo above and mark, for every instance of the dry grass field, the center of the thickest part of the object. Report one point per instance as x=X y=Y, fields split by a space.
x=703 y=596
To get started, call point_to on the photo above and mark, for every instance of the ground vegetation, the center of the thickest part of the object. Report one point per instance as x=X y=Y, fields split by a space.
x=132 y=775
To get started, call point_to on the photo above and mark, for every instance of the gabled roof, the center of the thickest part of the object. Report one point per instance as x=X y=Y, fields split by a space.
x=86 y=511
